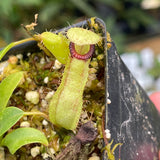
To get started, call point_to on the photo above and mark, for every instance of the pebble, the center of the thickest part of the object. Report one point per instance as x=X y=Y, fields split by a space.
x=45 y=155
x=44 y=122
x=25 y=124
x=49 y=95
x=29 y=80
x=94 y=158
x=44 y=103
x=19 y=56
x=35 y=151
x=108 y=134
x=42 y=61
x=28 y=54
x=41 y=90
x=3 y=65
x=46 y=79
x=57 y=65
x=52 y=151
x=108 y=101
x=25 y=118
x=32 y=96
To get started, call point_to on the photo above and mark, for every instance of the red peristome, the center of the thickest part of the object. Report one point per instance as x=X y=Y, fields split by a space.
x=79 y=56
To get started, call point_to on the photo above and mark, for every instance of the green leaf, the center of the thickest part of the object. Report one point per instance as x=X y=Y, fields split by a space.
x=11 y=45
x=23 y=136
x=7 y=87
x=6 y=49
x=57 y=44
x=81 y=36
x=8 y=117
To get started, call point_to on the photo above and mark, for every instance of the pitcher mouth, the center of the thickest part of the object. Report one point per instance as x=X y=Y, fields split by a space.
x=79 y=56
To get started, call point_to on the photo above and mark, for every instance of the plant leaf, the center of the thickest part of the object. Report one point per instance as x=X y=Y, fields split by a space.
x=6 y=49
x=7 y=87
x=81 y=36
x=23 y=136
x=66 y=104
x=8 y=117
x=11 y=45
x=57 y=44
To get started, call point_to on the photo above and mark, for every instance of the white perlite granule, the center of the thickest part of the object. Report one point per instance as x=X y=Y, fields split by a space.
x=35 y=151
x=32 y=96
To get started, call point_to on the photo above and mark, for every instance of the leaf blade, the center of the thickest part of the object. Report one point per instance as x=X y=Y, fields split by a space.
x=25 y=136
x=5 y=50
x=9 y=117
x=58 y=45
x=11 y=45
x=7 y=86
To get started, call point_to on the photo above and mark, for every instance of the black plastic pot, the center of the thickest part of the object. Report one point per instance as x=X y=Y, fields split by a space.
x=131 y=117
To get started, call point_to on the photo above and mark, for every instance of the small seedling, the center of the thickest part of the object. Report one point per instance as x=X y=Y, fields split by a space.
x=110 y=151
x=10 y=115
